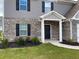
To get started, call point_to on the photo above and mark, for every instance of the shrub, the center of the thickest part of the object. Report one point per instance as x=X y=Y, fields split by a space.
x=28 y=39
x=1 y=35
x=20 y=41
x=35 y=41
x=4 y=43
x=70 y=42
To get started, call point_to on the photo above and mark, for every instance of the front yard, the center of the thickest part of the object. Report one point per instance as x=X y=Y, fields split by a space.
x=43 y=51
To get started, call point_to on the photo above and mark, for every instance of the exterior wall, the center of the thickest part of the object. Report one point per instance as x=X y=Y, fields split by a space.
x=55 y=29
x=66 y=30
x=12 y=17
x=10 y=27
x=36 y=9
x=74 y=29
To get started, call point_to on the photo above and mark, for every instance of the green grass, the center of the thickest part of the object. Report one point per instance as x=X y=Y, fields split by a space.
x=43 y=51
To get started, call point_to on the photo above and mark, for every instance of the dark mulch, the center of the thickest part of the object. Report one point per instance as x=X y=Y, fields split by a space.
x=70 y=43
x=14 y=45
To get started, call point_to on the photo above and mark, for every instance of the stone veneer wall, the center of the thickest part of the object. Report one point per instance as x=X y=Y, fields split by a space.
x=74 y=29
x=55 y=29
x=66 y=30
x=10 y=27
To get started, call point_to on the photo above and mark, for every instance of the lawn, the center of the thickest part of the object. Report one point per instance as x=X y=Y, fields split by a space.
x=43 y=51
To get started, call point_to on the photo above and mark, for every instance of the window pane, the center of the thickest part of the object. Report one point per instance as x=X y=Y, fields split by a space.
x=23 y=4
x=47 y=9
x=22 y=7
x=23 y=29
x=0 y=22
x=23 y=32
x=47 y=6
x=23 y=26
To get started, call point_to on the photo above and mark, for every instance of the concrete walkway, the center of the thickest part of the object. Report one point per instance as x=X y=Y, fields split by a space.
x=56 y=43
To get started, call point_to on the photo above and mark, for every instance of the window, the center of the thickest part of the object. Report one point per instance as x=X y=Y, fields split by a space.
x=0 y=24
x=22 y=4
x=23 y=29
x=47 y=7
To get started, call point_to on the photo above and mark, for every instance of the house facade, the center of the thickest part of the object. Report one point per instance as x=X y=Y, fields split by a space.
x=45 y=19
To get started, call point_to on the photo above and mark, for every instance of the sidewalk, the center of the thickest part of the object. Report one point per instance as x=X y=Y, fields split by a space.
x=56 y=43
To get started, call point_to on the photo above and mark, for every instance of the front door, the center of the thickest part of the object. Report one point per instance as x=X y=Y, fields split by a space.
x=47 y=31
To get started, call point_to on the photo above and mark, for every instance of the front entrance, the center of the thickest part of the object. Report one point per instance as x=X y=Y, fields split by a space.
x=47 y=32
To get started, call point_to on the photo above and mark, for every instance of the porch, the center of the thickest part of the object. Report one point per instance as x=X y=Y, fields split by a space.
x=51 y=26
x=51 y=30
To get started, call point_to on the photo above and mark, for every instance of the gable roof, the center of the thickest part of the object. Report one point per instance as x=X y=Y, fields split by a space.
x=52 y=15
x=73 y=11
x=76 y=16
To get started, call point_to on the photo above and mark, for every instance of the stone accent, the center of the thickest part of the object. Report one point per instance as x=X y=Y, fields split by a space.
x=66 y=30
x=74 y=29
x=54 y=30
x=10 y=27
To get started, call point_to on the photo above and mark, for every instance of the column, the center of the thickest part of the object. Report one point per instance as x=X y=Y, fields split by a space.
x=60 y=31
x=42 y=31
x=70 y=29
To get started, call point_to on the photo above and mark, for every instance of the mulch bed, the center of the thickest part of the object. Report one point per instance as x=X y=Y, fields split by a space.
x=70 y=43
x=14 y=45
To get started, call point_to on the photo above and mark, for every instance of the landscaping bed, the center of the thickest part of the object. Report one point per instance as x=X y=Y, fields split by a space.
x=70 y=43
x=20 y=42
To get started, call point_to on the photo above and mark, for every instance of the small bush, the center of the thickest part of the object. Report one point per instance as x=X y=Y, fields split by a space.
x=1 y=35
x=35 y=41
x=28 y=39
x=4 y=43
x=70 y=40
x=20 y=41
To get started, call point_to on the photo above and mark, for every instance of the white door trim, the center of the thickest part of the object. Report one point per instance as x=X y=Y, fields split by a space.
x=50 y=30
